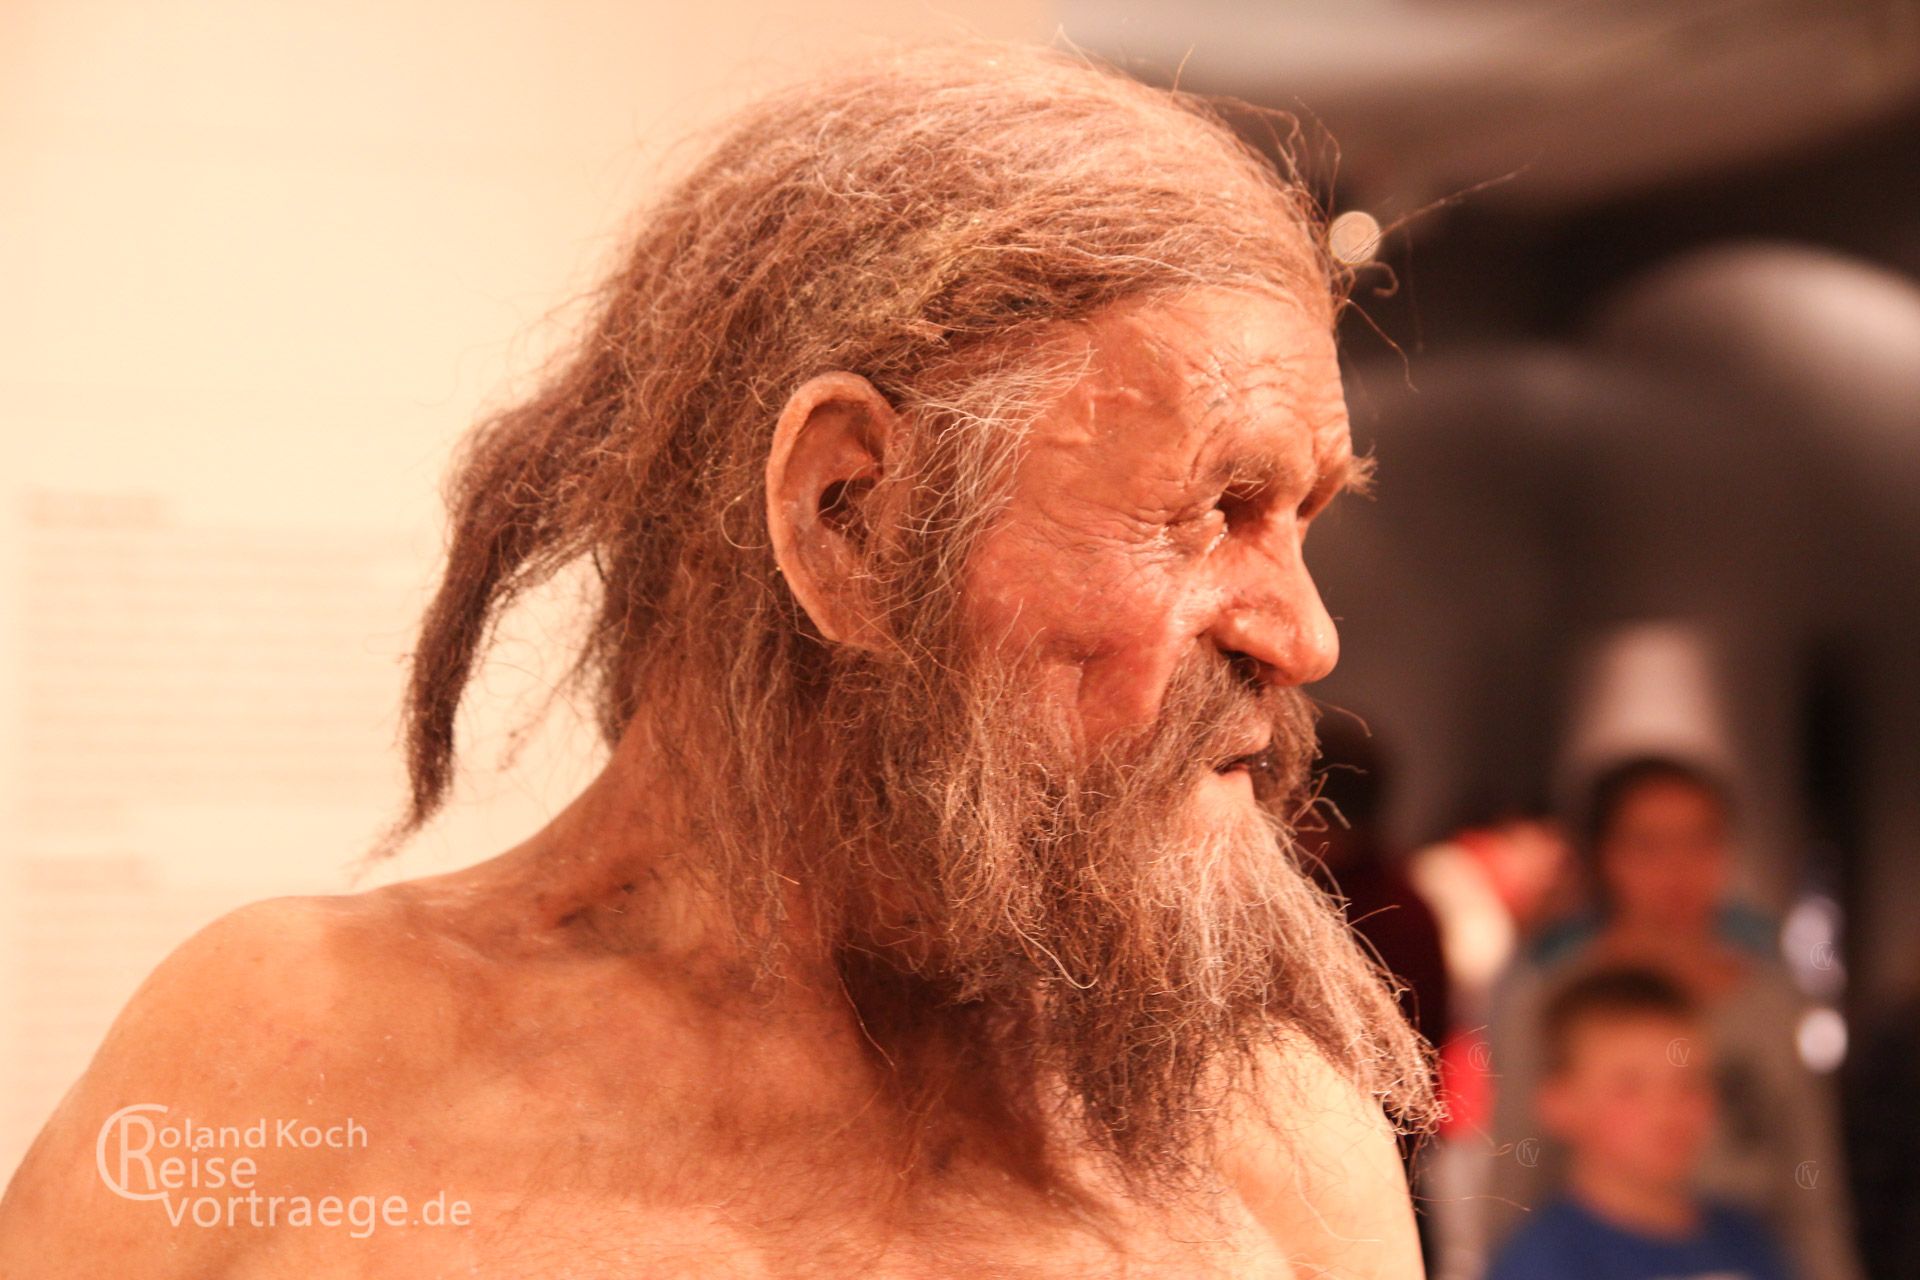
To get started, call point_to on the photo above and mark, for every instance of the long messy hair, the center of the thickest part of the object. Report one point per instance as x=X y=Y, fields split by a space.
x=932 y=218
x=922 y=218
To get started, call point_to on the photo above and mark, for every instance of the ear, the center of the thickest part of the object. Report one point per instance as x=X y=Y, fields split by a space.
x=829 y=448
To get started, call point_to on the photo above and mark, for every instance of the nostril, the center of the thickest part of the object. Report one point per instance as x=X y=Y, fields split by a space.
x=1247 y=667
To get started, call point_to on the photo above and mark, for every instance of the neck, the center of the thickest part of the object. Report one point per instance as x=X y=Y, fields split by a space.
x=1653 y=1208
x=618 y=870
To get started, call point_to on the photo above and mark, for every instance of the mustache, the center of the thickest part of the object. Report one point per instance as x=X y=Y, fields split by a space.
x=1215 y=711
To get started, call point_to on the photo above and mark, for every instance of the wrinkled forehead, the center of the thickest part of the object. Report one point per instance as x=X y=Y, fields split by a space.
x=1209 y=361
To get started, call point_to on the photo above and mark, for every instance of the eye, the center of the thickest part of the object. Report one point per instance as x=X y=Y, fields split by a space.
x=1200 y=528
x=1233 y=506
x=1213 y=521
x=1242 y=503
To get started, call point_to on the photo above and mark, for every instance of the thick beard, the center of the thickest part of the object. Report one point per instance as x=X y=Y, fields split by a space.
x=1121 y=952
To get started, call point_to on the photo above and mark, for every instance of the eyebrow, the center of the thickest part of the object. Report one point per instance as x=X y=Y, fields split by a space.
x=1353 y=474
x=1358 y=475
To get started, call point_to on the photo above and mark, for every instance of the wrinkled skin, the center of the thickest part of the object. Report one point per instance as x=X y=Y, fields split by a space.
x=563 y=1036
x=1165 y=503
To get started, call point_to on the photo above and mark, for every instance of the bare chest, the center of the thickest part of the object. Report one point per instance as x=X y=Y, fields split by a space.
x=544 y=1237
x=540 y=1193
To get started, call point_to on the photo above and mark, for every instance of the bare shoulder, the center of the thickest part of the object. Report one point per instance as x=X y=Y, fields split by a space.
x=1317 y=1163
x=276 y=1010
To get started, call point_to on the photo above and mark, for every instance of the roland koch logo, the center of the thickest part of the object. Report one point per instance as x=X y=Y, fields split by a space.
x=210 y=1175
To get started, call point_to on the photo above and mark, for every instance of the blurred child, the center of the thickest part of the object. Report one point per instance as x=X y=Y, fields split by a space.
x=1660 y=844
x=1627 y=1087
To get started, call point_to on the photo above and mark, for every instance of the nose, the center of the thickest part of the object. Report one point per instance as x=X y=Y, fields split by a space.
x=1274 y=616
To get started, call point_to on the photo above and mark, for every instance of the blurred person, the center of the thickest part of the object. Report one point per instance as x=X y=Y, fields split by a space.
x=1658 y=836
x=1497 y=880
x=1493 y=885
x=1626 y=1087
x=1502 y=873
x=944 y=451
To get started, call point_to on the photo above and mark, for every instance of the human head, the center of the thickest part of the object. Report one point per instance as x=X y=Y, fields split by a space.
x=1656 y=830
x=1627 y=1082
x=825 y=444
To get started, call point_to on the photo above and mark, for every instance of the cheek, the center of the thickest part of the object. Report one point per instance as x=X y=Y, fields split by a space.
x=1637 y=877
x=1708 y=872
x=1108 y=622
x=1618 y=1123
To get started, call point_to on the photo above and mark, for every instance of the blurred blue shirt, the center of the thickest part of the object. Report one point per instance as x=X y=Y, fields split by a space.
x=1564 y=1241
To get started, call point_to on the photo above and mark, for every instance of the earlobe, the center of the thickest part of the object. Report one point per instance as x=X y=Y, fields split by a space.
x=829 y=448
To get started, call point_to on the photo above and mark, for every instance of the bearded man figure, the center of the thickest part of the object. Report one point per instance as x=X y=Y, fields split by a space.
x=944 y=451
